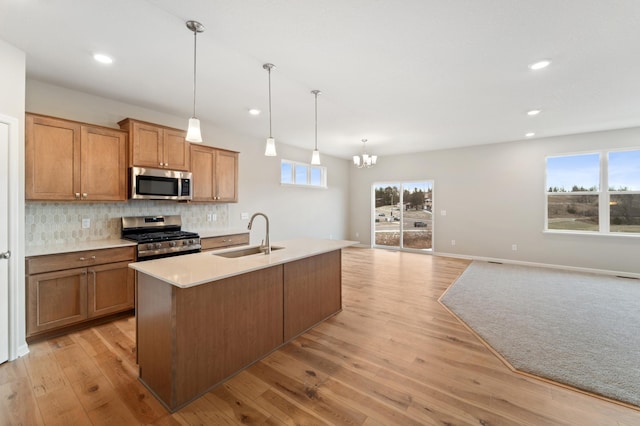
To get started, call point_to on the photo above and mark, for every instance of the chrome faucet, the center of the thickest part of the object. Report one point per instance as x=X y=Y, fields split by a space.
x=266 y=247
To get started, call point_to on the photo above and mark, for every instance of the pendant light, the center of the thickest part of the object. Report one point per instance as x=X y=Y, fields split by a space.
x=364 y=160
x=270 y=148
x=193 y=133
x=315 y=157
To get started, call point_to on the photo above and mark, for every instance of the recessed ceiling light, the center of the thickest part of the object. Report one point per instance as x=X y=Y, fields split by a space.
x=529 y=135
x=534 y=112
x=254 y=111
x=540 y=64
x=102 y=58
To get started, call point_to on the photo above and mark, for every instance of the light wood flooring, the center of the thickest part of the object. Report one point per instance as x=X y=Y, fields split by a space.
x=393 y=356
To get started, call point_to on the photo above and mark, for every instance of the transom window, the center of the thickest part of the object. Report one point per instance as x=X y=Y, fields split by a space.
x=302 y=174
x=594 y=192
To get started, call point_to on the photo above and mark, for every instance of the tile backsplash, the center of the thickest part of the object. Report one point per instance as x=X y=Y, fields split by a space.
x=57 y=223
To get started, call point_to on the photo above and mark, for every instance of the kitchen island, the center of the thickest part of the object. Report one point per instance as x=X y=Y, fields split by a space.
x=201 y=318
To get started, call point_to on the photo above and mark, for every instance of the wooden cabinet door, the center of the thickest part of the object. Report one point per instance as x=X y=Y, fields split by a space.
x=312 y=291
x=56 y=299
x=103 y=164
x=226 y=176
x=146 y=143
x=52 y=159
x=202 y=170
x=110 y=289
x=176 y=150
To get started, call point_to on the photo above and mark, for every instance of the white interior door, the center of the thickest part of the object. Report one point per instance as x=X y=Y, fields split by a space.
x=4 y=242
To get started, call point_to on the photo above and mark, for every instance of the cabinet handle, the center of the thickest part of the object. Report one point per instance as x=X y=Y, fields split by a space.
x=94 y=277
x=77 y=195
x=84 y=258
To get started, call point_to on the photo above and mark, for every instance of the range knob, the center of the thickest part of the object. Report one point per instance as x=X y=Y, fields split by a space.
x=172 y=243
x=158 y=245
x=149 y=246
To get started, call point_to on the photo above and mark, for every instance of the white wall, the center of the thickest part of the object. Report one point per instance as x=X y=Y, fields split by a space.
x=494 y=197
x=12 y=104
x=293 y=212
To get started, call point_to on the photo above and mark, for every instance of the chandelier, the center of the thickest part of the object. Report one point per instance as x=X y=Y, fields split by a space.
x=364 y=159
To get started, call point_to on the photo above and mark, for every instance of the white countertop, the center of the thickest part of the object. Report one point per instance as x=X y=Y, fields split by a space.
x=200 y=268
x=58 y=248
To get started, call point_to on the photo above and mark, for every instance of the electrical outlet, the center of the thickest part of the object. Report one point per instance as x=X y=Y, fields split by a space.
x=208 y=217
x=443 y=212
x=86 y=223
x=244 y=216
x=453 y=242
x=214 y=217
x=514 y=247
x=357 y=235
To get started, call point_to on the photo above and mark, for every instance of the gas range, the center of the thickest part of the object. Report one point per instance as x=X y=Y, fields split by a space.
x=159 y=236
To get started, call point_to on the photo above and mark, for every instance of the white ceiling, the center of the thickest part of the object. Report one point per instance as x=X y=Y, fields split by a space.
x=409 y=75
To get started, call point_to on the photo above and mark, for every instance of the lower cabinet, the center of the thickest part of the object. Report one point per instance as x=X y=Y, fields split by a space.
x=60 y=295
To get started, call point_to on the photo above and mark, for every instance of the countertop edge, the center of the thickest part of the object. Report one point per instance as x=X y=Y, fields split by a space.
x=62 y=248
x=239 y=266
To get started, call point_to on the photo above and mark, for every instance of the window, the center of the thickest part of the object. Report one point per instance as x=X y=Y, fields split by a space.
x=624 y=191
x=301 y=174
x=594 y=192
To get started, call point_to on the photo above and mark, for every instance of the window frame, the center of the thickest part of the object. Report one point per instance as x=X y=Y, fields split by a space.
x=309 y=167
x=603 y=193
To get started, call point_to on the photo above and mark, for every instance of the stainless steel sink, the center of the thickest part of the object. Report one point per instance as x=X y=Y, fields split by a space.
x=247 y=251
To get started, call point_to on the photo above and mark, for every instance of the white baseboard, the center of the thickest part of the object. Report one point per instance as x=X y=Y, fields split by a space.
x=543 y=265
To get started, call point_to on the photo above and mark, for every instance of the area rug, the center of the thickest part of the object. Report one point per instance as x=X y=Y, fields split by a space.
x=578 y=329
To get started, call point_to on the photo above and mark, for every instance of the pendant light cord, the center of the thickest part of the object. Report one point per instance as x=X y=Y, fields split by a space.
x=315 y=156
x=195 y=41
x=270 y=102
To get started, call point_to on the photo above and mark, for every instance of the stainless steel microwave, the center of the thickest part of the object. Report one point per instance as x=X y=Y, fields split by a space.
x=160 y=184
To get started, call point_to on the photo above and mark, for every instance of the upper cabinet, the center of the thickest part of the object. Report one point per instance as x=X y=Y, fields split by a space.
x=67 y=160
x=215 y=174
x=156 y=146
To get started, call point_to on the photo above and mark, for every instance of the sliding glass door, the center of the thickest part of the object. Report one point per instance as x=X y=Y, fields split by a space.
x=402 y=215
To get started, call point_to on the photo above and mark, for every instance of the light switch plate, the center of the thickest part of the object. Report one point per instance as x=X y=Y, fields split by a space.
x=244 y=216
x=86 y=223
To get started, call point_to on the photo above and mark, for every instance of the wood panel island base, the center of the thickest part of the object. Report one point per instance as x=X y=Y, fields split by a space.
x=202 y=318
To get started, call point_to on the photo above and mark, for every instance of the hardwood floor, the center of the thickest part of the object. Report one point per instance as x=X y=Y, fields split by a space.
x=393 y=356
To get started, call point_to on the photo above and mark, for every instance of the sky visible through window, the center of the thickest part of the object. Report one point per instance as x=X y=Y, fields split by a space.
x=583 y=171
x=624 y=170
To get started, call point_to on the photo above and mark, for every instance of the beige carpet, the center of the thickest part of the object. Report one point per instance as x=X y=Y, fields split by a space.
x=579 y=329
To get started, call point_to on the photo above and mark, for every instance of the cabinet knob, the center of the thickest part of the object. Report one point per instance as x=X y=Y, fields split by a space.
x=161 y=164
x=77 y=194
x=166 y=164
x=84 y=195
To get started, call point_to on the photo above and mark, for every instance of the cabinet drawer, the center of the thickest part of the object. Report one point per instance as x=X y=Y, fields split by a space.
x=224 y=241
x=58 y=262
